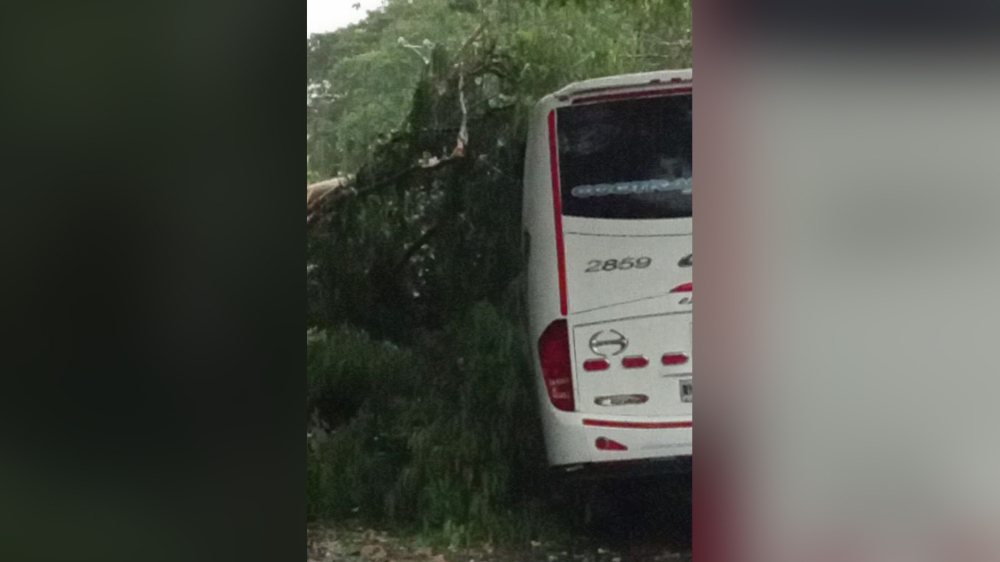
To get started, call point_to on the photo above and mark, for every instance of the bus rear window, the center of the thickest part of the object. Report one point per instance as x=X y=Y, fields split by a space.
x=627 y=159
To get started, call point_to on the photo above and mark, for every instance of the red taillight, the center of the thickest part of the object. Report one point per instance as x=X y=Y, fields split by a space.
x=674 y=358
x=605 y=444
x=557 y=369
x=685 y=288
x=596 y=365
x=635 y=362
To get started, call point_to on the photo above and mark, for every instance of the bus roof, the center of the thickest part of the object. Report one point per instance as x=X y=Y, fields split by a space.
x=622 y=81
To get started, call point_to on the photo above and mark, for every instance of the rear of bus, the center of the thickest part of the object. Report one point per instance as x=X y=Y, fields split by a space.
x=607 y=224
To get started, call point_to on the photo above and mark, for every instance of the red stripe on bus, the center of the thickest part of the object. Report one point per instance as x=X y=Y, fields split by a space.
x=557 y=205
x=638 y=425
x=639 y=94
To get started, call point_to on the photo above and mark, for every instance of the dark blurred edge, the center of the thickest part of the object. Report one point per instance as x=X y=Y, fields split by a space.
x=152 y=287
x=862 y=24
x=735 y=35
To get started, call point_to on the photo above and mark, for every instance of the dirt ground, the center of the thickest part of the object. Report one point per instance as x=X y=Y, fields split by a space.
x=647 y=527
x=357 y=544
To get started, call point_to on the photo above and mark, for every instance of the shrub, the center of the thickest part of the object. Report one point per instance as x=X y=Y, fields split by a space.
x=345 y=367
x=451 y=445
x=347 y=464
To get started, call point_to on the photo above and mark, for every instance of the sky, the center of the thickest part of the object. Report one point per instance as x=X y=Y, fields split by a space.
x=329 y=15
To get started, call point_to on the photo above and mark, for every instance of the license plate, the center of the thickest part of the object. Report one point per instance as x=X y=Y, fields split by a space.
x=687 y=390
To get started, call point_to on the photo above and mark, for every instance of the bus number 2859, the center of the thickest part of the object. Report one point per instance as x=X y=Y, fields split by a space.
x=624 y=264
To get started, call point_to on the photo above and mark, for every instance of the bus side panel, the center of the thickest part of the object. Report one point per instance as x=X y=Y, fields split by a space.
x=539 y=222
x=564 y=442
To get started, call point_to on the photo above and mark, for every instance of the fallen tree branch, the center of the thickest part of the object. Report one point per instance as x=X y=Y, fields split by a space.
x=433 y=163
x=323 y=205
x=465 y=49
x=463 y=131
x=319 y=192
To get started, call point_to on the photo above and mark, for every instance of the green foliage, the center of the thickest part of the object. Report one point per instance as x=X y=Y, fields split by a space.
x=447 y=441
x=346 y=366
x=559 y=44
x=359 y=80
x=481 y=445
x=417 y=242
x=346 y=373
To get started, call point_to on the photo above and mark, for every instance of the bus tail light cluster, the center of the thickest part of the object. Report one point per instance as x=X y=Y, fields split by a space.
x=596 y=365
x=635 y=362
x=557 y=367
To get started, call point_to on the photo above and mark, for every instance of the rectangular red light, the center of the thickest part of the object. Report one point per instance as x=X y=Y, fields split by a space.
x=596 y=365
x=635 y=362
x=675 y=358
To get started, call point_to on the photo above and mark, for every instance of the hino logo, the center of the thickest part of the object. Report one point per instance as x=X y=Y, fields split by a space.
x=685 y=261
x=613 y=344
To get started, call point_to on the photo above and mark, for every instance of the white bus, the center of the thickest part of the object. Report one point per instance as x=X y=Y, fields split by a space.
x=608 y=243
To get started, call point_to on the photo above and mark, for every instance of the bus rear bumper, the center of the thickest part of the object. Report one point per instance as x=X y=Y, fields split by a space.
x=578 y=440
